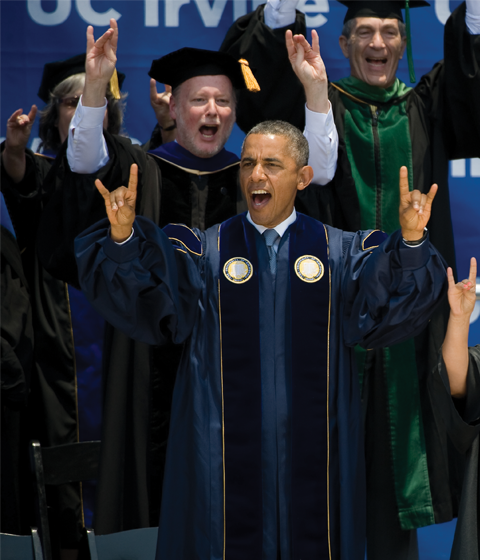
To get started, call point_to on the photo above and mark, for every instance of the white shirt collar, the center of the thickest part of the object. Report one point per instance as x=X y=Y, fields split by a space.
x=280 y=229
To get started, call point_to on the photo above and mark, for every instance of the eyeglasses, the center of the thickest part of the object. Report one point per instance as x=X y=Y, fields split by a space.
x=69 y=101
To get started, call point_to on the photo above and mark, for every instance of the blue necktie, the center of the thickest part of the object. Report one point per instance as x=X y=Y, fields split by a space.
x=270 y=236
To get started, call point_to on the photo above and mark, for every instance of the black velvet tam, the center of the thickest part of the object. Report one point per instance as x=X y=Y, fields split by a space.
x=178 y=66
x=56 y=72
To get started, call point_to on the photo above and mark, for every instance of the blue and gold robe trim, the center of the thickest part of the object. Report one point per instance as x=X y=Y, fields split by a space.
x=373 y=240
x=182 y=237
x=241 y=381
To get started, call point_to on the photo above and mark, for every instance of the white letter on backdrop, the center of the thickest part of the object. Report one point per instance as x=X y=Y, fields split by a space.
x=211 y=15
x=88 y=14
x=319 y=6
x=239 y=9
x=151 y=13
x=57 y=17
x=172 y=8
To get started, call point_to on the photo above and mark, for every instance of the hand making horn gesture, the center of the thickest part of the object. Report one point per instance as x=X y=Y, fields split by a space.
x=120 y=206
x=461 y=296
x=310 y=69
x=415 y=208
x=100 y=63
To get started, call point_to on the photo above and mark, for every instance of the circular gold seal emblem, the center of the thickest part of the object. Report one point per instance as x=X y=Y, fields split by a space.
x=309 y=269
x=238 y=270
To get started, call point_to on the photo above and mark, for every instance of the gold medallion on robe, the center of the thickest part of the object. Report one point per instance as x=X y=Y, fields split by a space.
x=238 y=270
x=309 y=269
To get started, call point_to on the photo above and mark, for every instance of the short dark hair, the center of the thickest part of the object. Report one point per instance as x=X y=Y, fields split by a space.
x=348 y=26
x=297 y=143
x=47 y=128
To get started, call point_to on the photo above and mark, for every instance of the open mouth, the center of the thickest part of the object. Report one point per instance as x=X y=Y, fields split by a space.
x=379 y=62
x=208 y=131
x=260 y=198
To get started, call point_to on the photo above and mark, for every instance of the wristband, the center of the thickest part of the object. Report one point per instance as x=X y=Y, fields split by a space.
x=417 y=241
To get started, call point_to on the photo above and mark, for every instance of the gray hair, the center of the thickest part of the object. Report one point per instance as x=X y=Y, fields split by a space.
x=297 y=143
x=47 y=127
x=349 y=25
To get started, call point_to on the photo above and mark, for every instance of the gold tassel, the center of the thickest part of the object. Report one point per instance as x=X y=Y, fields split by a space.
x=114 y=87
x=250 y=81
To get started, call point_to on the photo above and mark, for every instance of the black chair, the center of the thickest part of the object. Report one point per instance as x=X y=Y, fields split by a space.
x=61 y=464
x=136 y=544
x=16 y=547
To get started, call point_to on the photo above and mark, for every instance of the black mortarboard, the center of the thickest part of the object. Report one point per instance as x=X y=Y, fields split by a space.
x=379 y=8
x=178 y=66
x=386 y=9
x=55 y=72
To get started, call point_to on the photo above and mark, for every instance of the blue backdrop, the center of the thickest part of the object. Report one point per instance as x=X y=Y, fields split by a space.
x=34 y=32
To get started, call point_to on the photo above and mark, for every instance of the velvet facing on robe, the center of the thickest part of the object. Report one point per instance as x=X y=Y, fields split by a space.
x=175 y=154
x=242 y=391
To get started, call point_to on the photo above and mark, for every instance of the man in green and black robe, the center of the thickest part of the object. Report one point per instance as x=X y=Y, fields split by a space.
x=384 y=125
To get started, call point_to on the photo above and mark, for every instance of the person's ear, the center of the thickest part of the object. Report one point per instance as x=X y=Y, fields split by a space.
x=404 y=46
x=173 y=108
x=343 y=42
x=305 y=176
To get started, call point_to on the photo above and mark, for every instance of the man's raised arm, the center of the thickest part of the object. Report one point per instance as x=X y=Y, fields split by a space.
x=87 y=151
x=392 y=291
x=320 y=129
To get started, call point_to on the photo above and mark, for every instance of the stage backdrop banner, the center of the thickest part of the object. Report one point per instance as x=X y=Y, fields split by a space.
x=34 y=32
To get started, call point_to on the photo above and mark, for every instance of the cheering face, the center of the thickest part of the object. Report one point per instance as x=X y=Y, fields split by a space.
x=373 y=49
x=204 y=110
x=270 y=178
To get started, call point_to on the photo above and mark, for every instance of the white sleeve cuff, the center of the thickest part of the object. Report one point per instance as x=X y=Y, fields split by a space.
x=87 y=150
x=126 y=240
x=322 y=136
x=472 y=17
x=280 y=13
x=88 y=117
x=320 y=123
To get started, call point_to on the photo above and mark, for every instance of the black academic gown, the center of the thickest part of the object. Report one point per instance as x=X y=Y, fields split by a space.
x=462 y=420
x=55 y=403
x=16 y=370
x=138 y=378
x=444 y=124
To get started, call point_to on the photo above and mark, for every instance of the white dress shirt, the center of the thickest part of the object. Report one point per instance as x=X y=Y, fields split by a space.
x=87 y=150
x=280 y=229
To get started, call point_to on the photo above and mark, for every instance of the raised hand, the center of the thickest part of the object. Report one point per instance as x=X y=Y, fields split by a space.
x=415 y=208
x=310 y=69
x=461 y=296
x=120 y=206
x=19 y=127
x=99 y=64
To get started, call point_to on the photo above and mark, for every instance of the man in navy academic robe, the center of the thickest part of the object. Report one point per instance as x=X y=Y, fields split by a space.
x=265 y=454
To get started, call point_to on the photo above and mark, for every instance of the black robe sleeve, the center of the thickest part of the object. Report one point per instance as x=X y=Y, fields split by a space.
x=462 y=420
x=451 y=90
x=16 y=325
x=281 y=95
x=74 y=203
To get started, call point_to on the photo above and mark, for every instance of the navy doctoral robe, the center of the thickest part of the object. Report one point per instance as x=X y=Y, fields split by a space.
x=155 y=288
